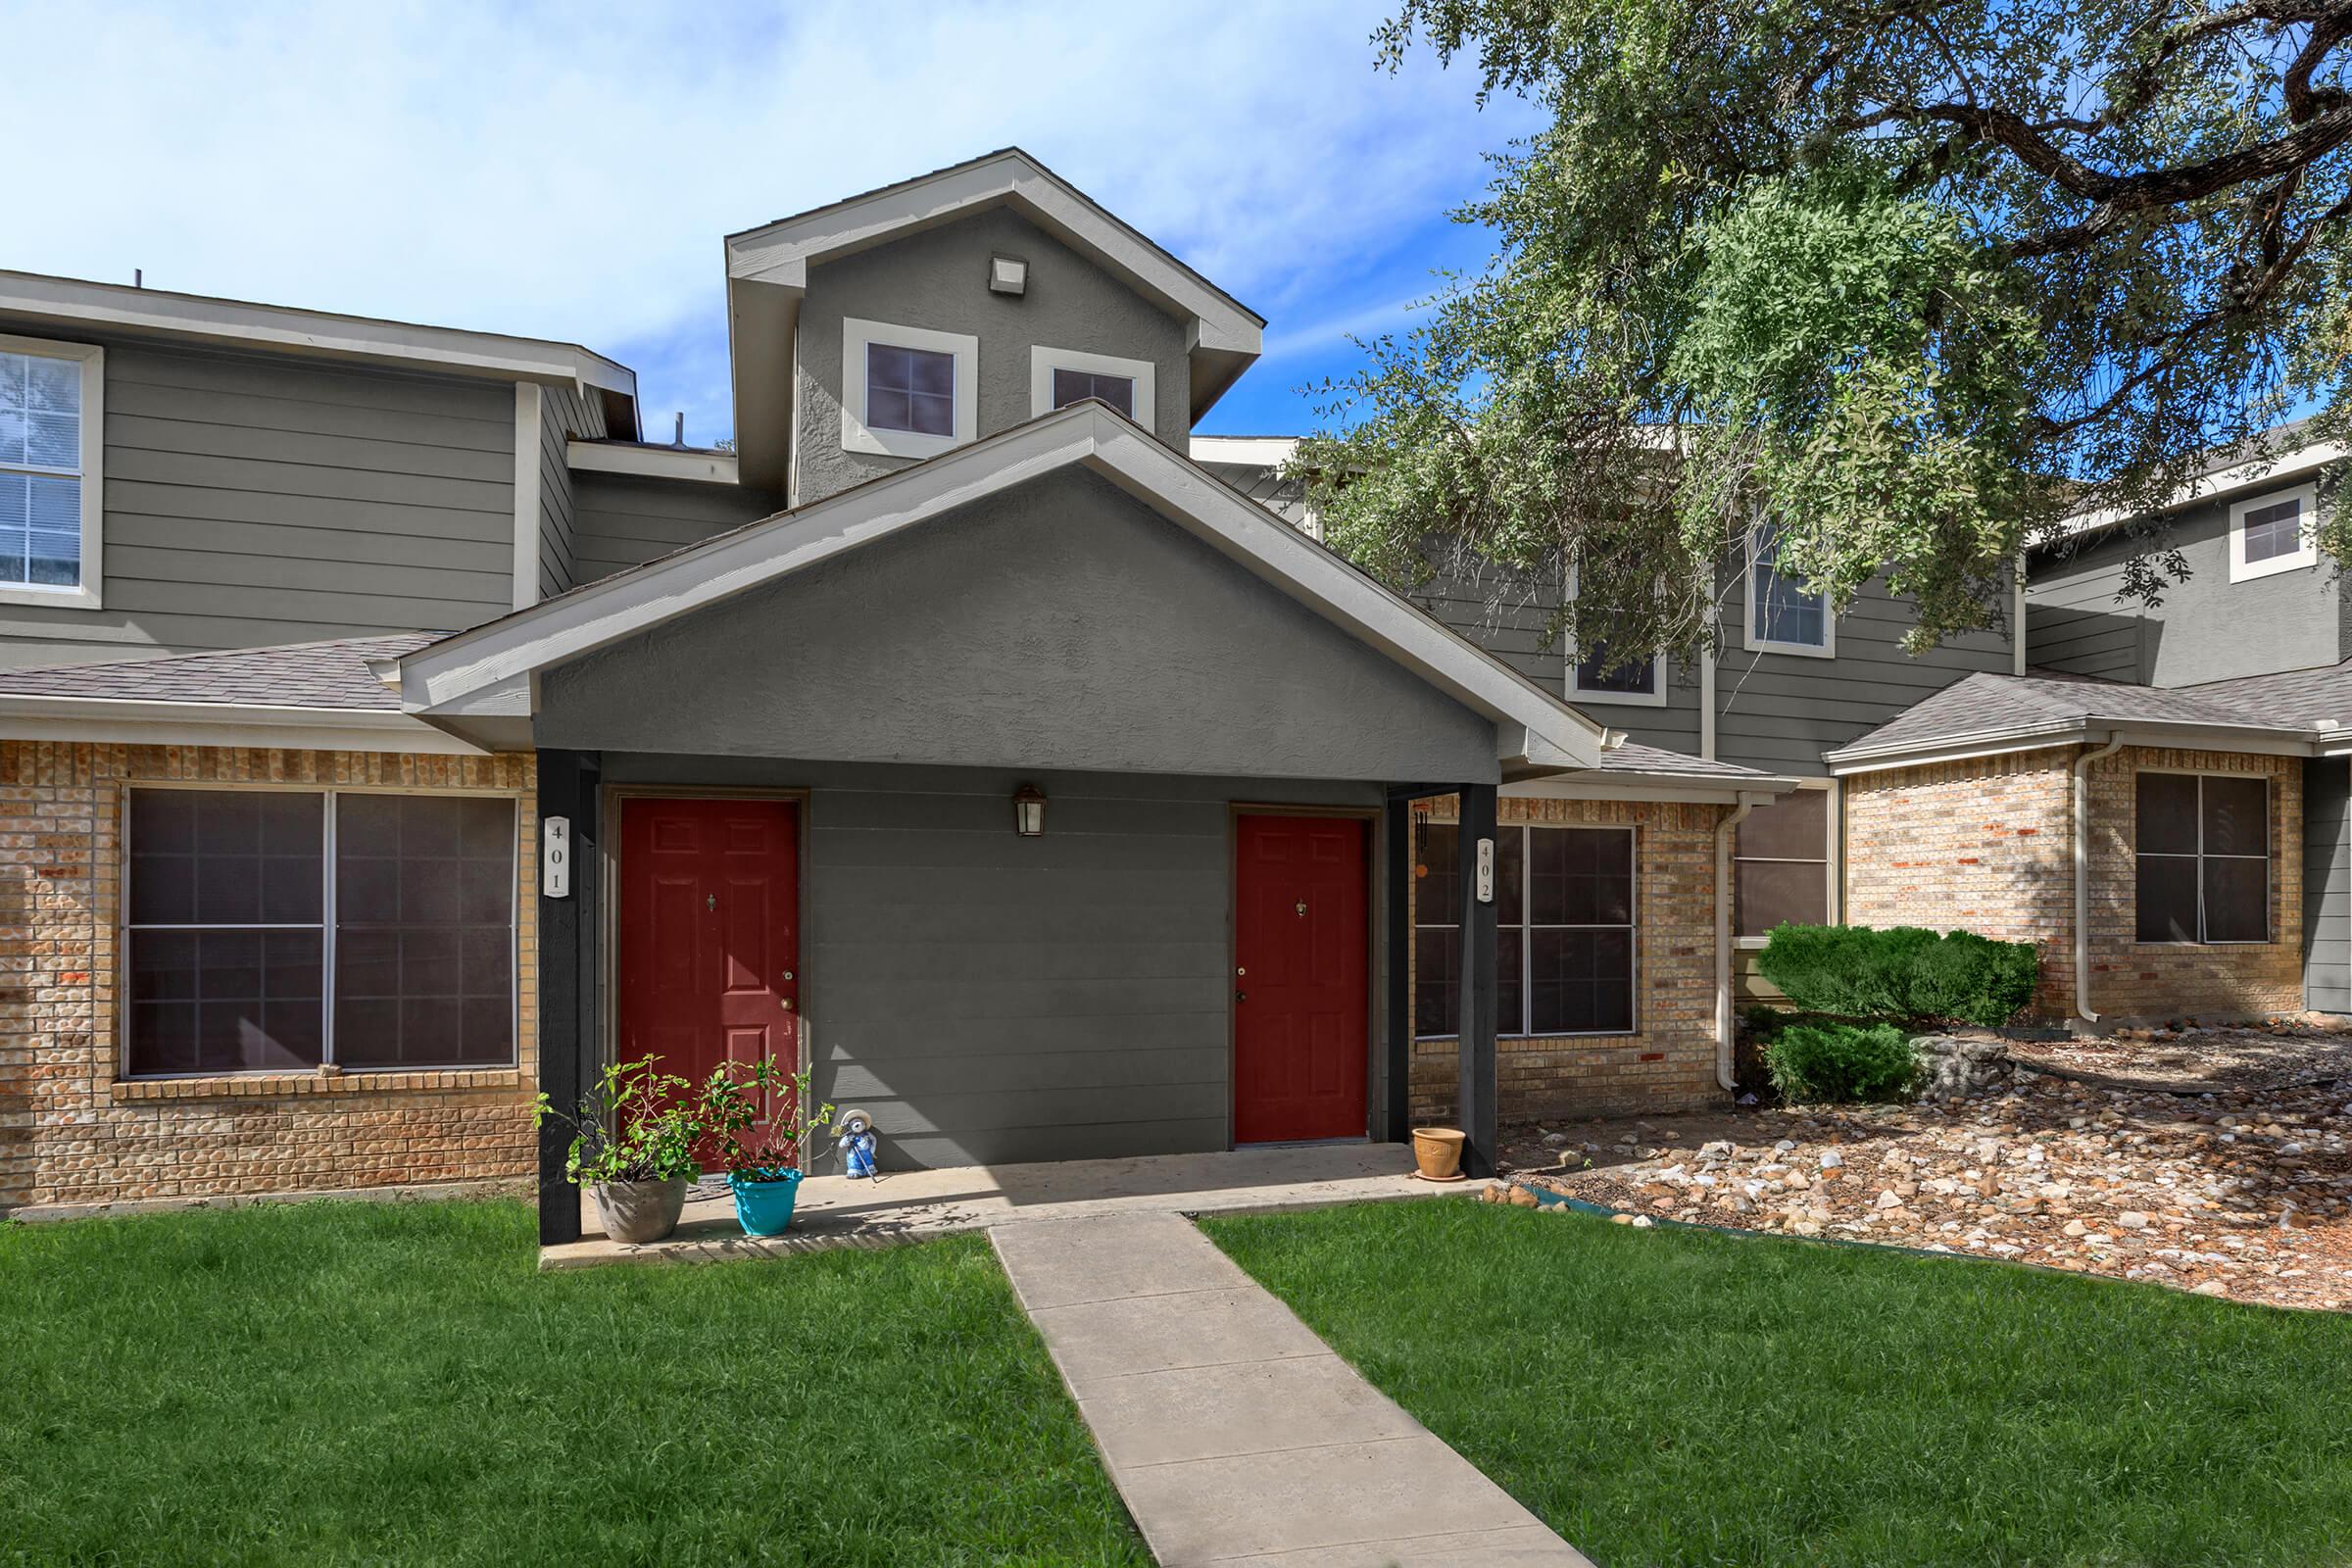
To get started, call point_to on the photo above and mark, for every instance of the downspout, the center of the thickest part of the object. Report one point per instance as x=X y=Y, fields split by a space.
x=1723 y=940
x=2081 y=835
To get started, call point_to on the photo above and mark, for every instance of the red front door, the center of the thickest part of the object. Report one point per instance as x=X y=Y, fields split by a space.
x=709 y=958
x=1302 y=1040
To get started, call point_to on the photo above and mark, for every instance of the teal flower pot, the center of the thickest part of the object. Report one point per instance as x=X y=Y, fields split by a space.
x=763 y=1200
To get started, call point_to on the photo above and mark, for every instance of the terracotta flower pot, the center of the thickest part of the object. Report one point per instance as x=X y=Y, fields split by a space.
x=640 y=1211
x=1437 y=1151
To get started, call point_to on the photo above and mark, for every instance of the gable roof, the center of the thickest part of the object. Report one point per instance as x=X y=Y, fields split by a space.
x=1536 y=730
x=1986 y=713
x=768 y=272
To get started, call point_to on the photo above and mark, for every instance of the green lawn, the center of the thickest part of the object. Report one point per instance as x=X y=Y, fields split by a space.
x=1679 y=1397
x=393 y=1382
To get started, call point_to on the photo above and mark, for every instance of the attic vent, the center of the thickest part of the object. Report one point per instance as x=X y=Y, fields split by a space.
x=1007 y=275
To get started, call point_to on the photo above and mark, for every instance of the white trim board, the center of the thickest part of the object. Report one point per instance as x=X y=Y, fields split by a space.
x=1534 y=728
x=117 y=720
x=316 y=333
x=690 y=465
x=530 y=418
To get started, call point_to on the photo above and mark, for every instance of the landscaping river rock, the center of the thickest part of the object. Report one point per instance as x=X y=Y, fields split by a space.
x=2241 y=1193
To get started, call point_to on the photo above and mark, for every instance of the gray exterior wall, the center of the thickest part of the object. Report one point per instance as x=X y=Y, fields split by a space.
x=623 y=522
x=2326 y=885
x=1776 y=711
x=251 y=500
x=1058 y=624
x=562 y=415
x=989 y=998
x=938 y=280
x=2207 y=628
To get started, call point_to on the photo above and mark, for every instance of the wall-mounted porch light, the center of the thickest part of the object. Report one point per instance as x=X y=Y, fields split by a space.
x=1029 y=811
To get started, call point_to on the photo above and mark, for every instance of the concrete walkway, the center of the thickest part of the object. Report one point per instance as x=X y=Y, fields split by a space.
x=1234 y=1434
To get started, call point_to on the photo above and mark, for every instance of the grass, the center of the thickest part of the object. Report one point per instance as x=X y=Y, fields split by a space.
x=332 y=1383
x=1682 y=1398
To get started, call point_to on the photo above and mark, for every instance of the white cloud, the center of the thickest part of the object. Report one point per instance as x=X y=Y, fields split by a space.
x=567 y=170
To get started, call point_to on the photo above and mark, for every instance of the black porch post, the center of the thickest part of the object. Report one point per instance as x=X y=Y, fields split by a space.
x=1479 y=1085
x=567 y=788
x=1396 y=996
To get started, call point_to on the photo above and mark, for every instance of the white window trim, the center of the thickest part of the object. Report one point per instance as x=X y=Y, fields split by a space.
x=2307 y=500
x=1653 y=698
x=1755 y=644
x=90 y=593
x=856 y=337
x=1044 y=362
x=326 y=926
x=2269 y=855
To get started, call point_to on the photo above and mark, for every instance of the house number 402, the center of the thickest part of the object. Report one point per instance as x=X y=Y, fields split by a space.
x=1485 y=870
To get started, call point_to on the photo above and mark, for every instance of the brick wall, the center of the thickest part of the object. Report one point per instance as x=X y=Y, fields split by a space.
x=1670 y=1064
x=1987 y=846
x=72 y=1130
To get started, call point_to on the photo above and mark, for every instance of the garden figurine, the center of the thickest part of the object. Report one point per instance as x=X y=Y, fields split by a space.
x=857 y=1145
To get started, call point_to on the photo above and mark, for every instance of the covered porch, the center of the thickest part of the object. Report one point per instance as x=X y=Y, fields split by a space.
x=789 y=761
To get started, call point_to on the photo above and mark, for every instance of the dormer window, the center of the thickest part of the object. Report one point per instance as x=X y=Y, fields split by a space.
x=1060 y=377
x=907 y=392
x=2274 y=533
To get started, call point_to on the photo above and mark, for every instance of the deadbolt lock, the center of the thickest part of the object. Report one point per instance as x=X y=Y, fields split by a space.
x=1238 y=970
x=788 y=974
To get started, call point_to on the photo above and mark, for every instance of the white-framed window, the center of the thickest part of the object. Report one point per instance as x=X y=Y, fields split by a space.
x=907 y=391
x=1784 y=865
x=2274 y=533
x=1565 y=947
x=1595 y=676
x=52 y=431
x=2201 y=845
x=275 y=930
x=1060 y=377
x=1781 y=617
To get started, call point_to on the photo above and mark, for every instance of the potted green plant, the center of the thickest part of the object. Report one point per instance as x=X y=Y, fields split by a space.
x=633 y=1148
x=763 y=1152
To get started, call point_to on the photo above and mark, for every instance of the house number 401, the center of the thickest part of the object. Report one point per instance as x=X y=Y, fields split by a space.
x=554 y=856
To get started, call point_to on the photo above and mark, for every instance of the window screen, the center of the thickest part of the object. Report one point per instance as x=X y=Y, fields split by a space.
x=1075 y=387
x=1783 y=611
x=1564 y=942
x=909 y=389
x=424 y=903
x=2273 y=532
x=40 y=471
x=1781 y=864
x=2203 y=871
x=228 y=931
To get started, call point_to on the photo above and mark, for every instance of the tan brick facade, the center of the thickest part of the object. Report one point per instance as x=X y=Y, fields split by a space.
x=1670 y=1064
x=1986 y=846
x=72 y=1130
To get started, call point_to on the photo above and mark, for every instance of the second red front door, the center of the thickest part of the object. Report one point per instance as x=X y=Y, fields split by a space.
x=708 y=959
x=1301 y=1046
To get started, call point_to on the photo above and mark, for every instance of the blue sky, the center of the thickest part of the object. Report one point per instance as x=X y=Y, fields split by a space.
x=567 y=170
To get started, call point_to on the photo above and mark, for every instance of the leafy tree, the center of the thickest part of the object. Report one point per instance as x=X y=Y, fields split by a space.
x=1910 y=283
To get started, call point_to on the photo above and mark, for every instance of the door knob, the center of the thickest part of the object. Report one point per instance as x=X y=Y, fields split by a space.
x=787 y=1004
x=1241 y=996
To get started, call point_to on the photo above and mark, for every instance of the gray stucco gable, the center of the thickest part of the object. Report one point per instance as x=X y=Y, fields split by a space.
x=1059 y=624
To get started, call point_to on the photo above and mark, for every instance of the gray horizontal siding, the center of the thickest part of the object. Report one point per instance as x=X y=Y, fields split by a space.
x=565 y=416
x=251 y=500
x=2075 y=641
x=621 y=522
x=993 y=999
x=2327 y=885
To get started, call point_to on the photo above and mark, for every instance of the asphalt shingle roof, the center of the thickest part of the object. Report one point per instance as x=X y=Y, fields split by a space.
x=1632 y=759
x=1985 y=703
x=327 y=674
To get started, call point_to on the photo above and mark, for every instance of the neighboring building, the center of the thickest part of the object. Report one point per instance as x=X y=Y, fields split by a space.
x=313 y=617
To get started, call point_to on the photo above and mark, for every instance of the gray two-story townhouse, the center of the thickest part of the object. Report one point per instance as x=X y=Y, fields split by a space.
x=409 y=737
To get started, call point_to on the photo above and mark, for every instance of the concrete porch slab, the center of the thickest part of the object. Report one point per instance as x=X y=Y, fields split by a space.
x=910 y=1206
